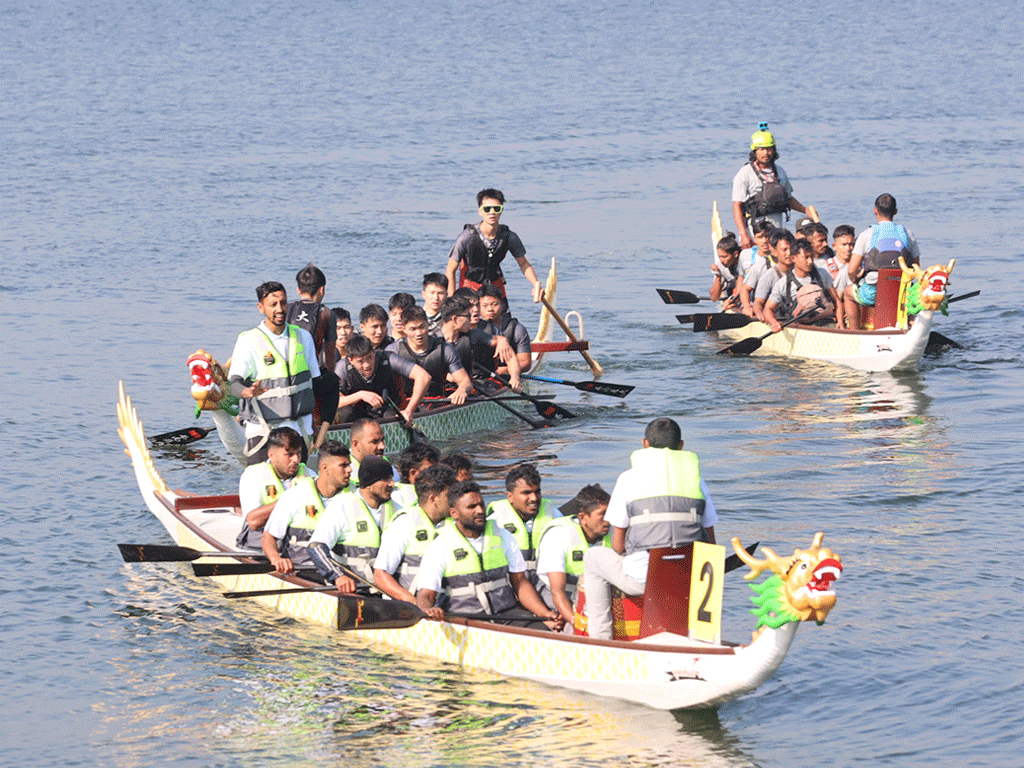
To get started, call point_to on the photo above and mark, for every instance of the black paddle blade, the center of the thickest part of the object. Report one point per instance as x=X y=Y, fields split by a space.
x=157 y=553
x=231 y=569
x=743 y=347
x=677 y=297
x=373 y=613
x=549 y=410
x=937 y=342
x=604 y=388
x=718 y=321
x=181 y=436
x=732 y=562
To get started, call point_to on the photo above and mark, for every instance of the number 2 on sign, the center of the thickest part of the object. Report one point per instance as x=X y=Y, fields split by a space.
x=706 y=581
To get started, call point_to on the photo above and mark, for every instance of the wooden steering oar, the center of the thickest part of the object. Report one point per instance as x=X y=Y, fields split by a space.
x=751 y=345
x=594 y=366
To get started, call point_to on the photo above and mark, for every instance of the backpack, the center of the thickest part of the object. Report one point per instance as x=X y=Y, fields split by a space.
x=809 y=297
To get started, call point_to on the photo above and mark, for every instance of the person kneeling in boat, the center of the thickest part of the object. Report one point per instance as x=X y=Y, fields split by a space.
x=411 y=461
x=660 y=502
x=479 y=564
x=261 y=485
x=300 y=508
x=407 y=536
x=524 y=513
x=806 y=290
x=348 y=534
x=564 y=543
x=368 y=382
x=435 y=355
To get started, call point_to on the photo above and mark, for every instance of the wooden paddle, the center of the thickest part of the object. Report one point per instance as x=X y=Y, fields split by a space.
x=715 y=321
x=510 y=409
x=751 y=345
x=597 y=387
x=545 y=408
x=171 y=553
x=180 y=436
x=594 y=366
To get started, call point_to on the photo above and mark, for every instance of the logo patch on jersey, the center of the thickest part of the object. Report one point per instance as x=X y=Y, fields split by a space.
x=460 y=554
x=268 y=358
x=510 y=527
x=362 y=527
x=577 y=556
x=422 y=535
x=311 y=510
x=271 y=492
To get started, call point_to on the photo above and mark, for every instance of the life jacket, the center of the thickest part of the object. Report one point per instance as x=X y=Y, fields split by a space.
x=481 y=263
x=432 y=360
x=798 y=299
x=403 y=496
x=505 y=515
x=476 y=582
x=300 y=528
x=383 y=381
x=359 y=549
x=271 y=487
x=289 y=383
x=578 y=546
x=888 y=242
x=424 y=532
x=768 y=200
x=306 y=314
x=670 y=513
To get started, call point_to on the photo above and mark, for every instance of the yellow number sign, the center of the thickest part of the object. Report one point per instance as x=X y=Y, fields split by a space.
x=706 y=582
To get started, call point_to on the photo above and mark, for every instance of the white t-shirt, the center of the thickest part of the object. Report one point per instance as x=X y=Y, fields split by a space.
x=245 y=360
x=746 y=182
x=394 y=541
x=627 y=487
x=290 y=505
x=250 y=489
x=404 y=495
x=338 y=520
x=437 y=558
x=554 y=546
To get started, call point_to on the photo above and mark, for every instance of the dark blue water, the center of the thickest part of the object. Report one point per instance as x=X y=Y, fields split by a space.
x=162 y=159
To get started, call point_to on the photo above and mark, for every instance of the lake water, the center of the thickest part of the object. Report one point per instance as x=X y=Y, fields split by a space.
x=163 y=158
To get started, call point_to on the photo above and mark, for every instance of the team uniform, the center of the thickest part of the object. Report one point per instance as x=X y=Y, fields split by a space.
x=440 y=359
x=480 y=257
x=402 y=545
x=258 y=486
x=350 y=529
x=527 y=533
x=296 y=515
x=881 y=246
x=560 y=550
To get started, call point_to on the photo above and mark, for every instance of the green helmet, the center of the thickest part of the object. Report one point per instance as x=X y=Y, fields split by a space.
x=762 y=138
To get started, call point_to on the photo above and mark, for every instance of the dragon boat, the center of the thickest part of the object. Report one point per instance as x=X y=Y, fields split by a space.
x=678 y=661
x=437 y=420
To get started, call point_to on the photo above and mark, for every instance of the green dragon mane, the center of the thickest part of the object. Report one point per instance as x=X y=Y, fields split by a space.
x=914 y=305
x=771 y=610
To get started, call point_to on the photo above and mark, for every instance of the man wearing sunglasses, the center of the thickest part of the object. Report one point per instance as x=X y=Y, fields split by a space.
x=480 y=249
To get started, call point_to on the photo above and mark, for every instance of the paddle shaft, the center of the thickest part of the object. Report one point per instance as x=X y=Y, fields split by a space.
x=513 y=411
x=751 y=345
x=598 y=387
x=963 y=296
x=597 y=369
x=172 y=553
x=545 y=408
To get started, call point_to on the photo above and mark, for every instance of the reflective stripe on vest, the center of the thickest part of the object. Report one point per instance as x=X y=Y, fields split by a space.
x=359 y=549
x=671 y=511
x=289 y=383
x=476 y=582
x=578 y=546
x=271 y=487
x=424 y=531
x=300 y=527
x=503 y=513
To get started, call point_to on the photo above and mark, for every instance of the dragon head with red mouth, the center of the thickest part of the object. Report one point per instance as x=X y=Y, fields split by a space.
x=931 y=282
x=801 y=589
x=209 y=382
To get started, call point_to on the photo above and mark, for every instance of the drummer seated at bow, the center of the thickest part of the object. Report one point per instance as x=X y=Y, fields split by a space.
x=372 y=380
x=407 y=536
x=261 y=485
x=479 y=564
x=564 y=543
x=411 y=462
x=524 y=513
x=299 y=509
x=475 y=344
x=346 y=540
x=435 y=355
x=496 y=320
x=806 y=291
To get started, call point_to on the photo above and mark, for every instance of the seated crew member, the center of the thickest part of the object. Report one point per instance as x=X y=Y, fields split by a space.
x=495 y=319
x=524 y=513
x=366 y=439
x=348 y=532
x=783 y=243
x=786 y=300
x=479 y=564
x=761 y=189
x=373 y=324
x=562 y=546
x=272 y=371
x=761 y=260
x=368 y=382
x=408 y=535
x=411 y=462
x=310 y=313
x=842 y=245
x=290 y=525
x=435 y=355
x=460 y=464
x=475 y=343
x=664 y=479
x=435 y=288
x=726 y=271
x=877 y=247
x=480 y=248
x=816 y=234
x=474 y=304
x=396 y=304
x=261 y=485
x=343 y=323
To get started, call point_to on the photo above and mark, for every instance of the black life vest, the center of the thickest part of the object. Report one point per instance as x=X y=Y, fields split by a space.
x=770 y=199
x=306 y=314
x=382 y=382
x=432 y=360
x=483 y=263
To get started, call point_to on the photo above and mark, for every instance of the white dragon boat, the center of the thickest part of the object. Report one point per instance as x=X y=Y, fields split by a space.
x=665 y=670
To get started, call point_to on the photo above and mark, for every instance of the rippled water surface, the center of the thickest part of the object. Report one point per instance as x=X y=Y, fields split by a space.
x=163 y=158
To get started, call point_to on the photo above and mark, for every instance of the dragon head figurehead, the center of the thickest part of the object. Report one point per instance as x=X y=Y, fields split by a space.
x=801 y=587
x=209 y=382
x=931 y=283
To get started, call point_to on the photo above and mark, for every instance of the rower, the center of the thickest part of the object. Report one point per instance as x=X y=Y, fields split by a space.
x=479 y=563
x=480 y=248
x=460 y=464
x=413 y=460
x=495 y=319
x=396 y=304
x=272 y=371
x=408 y=535
x=367 y=379
x=373 y=324
x=348 y=532
x=726 y=271
x=299 y=509
x=760 y=261
x=843 y=237
x=787 y=299
x=261 y=485
x=563 y=544
x=435 y=288
x=782 y=248
x=343 y=323
x=474 y=304
x=524 y=513
x=435 y=355
x=367 y=439
x=664 y=483
x=310 y=313
x=475 y=343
